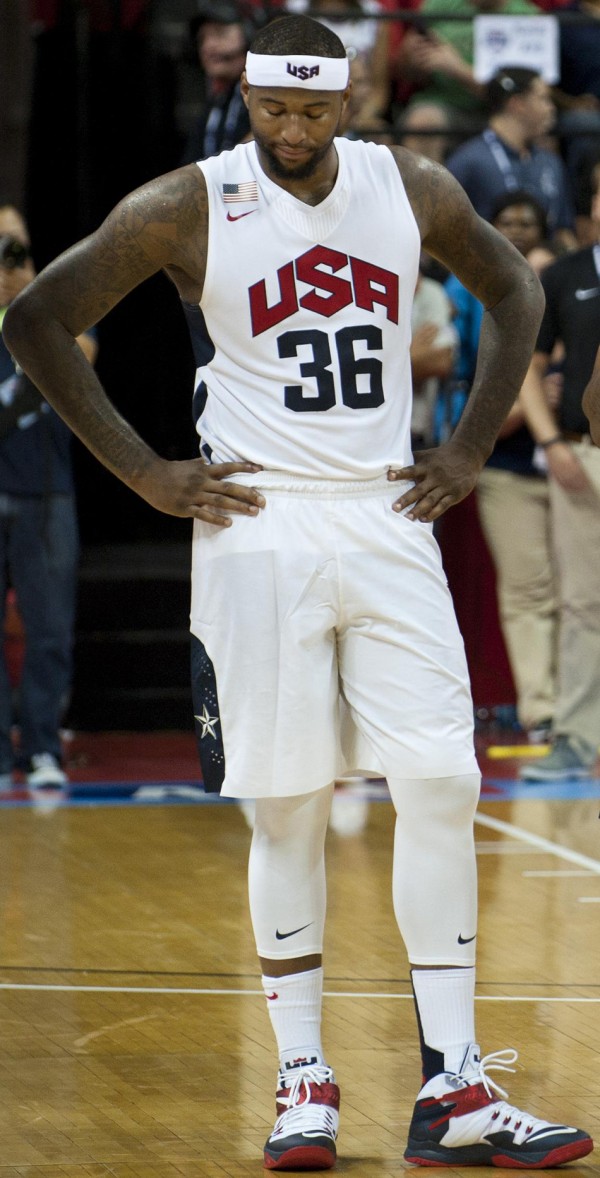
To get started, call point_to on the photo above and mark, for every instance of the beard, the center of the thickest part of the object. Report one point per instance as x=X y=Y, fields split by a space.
x=291 y=171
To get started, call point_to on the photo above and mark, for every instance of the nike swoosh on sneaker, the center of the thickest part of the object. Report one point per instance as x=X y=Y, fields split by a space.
x=240 y=215
x=589 y=292
x=465 y=940
x=283 y=936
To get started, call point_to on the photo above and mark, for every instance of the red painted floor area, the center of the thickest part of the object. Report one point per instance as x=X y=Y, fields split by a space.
x=132 y=756
x=172 y=756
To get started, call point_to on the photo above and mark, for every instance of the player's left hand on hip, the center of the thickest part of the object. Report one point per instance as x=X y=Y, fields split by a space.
x=440 y=477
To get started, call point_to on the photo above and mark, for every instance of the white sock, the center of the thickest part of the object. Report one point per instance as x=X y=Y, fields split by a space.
x=446 y=1005
x=294 y=1005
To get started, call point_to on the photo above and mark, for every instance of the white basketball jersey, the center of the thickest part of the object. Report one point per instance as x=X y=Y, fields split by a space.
x=308 y=311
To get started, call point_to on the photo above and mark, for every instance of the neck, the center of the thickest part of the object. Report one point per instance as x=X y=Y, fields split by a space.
x=311 y=189
x=510 y=131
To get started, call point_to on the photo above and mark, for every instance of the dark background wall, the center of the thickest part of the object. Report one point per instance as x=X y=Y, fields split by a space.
x=106 y=81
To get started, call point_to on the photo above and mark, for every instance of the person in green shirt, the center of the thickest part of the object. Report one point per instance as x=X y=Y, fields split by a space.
x=439 y=56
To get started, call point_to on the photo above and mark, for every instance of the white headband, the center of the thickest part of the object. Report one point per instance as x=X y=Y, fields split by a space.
x=297 y=70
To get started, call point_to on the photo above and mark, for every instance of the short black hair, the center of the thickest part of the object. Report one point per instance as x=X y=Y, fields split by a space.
x=505 y=84
x=297 y=34
x=508 y=200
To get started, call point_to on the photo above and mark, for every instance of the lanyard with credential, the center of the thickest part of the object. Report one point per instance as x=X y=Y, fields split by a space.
x=502 y=159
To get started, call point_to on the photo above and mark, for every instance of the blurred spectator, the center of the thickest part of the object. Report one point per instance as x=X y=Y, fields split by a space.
x=514 y=505
x=438 y=56
x=422 y=128
x=38 y=542
x=572 y=315
x=578 y=95
x=368 y=39
x=222 y=35
x=354 y=124
x=505 y=157
x=432 y=352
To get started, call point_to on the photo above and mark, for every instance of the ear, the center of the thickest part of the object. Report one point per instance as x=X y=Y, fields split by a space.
x=244 y=87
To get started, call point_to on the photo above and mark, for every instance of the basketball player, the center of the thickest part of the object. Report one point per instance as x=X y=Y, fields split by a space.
x=327 y=637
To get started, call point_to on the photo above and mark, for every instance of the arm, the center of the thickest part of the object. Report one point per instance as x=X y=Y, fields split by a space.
x=563 y=464
x=591 y=401
x=513 y=301
x=160 y=226
x=427 y=357
x=432 y=54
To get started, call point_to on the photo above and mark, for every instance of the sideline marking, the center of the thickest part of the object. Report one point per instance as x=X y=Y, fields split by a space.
x=557 y=874
x=536 y=840
x=64 y=989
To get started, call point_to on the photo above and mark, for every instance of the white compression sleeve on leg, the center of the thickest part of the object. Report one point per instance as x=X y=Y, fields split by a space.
x=435 y=872
x=286 y=874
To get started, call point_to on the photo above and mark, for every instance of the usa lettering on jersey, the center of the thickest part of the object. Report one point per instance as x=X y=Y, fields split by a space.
x=366 y=286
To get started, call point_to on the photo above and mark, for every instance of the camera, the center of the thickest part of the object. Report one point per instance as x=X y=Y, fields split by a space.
x=13 y=254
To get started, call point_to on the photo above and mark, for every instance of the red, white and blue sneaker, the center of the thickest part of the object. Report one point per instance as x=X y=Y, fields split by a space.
x=307 y=1124
x=459 y=1121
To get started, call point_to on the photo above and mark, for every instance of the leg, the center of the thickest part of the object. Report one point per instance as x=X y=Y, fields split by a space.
x=6 y=709
x=43 y=555
x=287 y=905
x=435 y=902
x=576 y=535
x=515 y=517
x=457 y=1118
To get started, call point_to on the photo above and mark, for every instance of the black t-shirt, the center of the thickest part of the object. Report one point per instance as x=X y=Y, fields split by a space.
x=572 y=288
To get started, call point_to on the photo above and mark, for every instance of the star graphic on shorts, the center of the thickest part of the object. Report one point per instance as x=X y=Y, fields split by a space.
x=208 y=723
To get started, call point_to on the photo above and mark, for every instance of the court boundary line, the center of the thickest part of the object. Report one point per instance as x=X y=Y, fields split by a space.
x=233 y=993
x=537 y=840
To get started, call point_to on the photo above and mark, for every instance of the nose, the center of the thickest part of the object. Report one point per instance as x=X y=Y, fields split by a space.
x=294 y=131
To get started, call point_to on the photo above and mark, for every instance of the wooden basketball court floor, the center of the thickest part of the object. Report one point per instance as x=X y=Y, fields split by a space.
x=134 y=1041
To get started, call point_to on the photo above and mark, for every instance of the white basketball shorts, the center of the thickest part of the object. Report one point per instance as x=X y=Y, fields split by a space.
x=327 y=643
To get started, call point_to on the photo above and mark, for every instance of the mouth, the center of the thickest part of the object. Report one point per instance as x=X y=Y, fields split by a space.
x=292 y=153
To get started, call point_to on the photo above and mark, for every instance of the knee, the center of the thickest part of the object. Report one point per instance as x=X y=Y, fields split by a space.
x=448 y=802
x=302 y=818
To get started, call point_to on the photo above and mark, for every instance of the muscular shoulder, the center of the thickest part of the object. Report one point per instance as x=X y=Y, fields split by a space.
x=428 y=186
x=168 y=219
x=453 y=233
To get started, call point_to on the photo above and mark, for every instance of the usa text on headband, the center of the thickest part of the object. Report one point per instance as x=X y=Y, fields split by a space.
x=301 y=70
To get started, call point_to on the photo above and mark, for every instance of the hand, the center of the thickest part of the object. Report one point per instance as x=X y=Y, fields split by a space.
x=195 y=488
x=434 y=55
x=565 y=467
x=423 y=340
x=553 y=389
x=442 y=477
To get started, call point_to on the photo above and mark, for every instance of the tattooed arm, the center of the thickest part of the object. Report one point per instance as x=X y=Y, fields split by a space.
x=164 y=226
x=512 y=296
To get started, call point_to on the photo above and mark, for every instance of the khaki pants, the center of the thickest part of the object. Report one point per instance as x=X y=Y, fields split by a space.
x=515 y=516
x=576 y=529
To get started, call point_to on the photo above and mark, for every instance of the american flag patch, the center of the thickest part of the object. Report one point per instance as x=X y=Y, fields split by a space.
x=233 y=193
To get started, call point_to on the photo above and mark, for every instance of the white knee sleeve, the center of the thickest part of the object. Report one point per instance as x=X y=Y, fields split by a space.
x=435 y=872
x=286 y=874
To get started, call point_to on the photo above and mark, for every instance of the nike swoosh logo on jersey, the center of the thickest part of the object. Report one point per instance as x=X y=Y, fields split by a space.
x=284 y=936
x=587 y=293
x=465 y=940
x=240 y=215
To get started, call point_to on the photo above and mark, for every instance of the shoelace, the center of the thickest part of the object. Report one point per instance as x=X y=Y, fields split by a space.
x=497 y=1061
x=301 y=1114
x=501 y=1061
